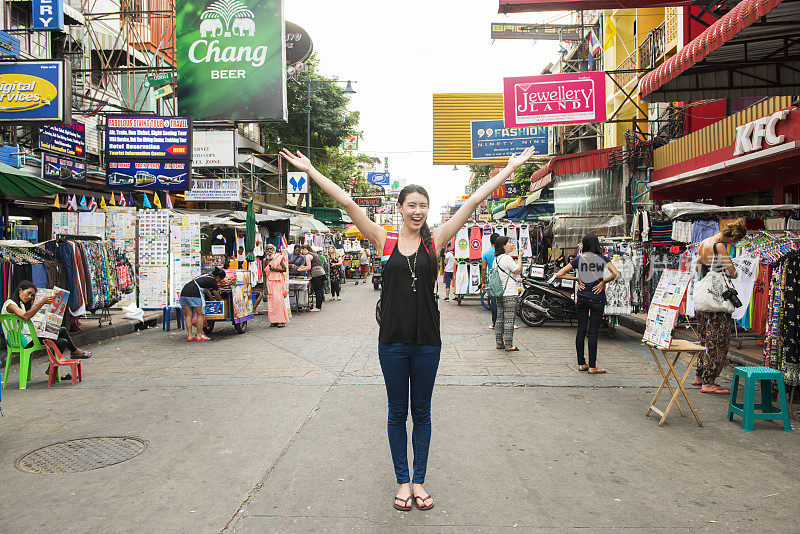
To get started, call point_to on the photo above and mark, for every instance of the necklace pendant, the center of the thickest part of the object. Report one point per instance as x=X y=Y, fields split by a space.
x=414 y=283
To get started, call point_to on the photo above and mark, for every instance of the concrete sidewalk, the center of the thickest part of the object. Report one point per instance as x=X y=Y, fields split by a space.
x=283 y=430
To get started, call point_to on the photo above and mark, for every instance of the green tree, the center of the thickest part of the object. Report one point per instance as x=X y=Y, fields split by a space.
x=331 y=123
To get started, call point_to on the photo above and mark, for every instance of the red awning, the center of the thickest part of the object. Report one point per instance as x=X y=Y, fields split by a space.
x=523 y=6
x=741 y=17
x=571 y=164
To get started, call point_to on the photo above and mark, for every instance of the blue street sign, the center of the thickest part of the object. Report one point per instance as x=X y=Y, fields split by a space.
x=9 y=45
x=490 y=139
x=48 y=15
x=378 y=178
x=152 y=175
x=148 y=138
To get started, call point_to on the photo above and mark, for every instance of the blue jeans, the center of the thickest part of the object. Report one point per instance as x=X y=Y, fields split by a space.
x=403 y=364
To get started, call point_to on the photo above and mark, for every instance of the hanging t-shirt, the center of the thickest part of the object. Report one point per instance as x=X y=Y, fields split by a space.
x=486 y=236
x=760 y=303
x=462 y=244
x=475 y=243
x=474 y=278
x=525 y=241
x=747 y=269
x=513 y=238
x=462 y=279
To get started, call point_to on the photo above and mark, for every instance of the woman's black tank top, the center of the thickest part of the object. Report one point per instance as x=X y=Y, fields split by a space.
x=408 y=316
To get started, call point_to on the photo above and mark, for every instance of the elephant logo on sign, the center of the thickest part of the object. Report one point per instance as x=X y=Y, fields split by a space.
x=243 y=25
x=211 y=26
x=233 y=13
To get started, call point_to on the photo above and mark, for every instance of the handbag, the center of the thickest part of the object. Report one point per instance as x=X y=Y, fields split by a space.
x=708 y=293
x=495 y=287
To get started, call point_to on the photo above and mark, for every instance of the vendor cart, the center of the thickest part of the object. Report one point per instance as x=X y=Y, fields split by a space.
x=299 y=294
x=231 y=308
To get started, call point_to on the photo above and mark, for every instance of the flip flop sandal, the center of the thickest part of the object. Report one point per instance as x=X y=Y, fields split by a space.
x=596 y=371
x=424 y=498
x=403 y=508
x=203 y=339
x=512 y=349
x=720 y=391
x=193 y=338
x=696 y=383
x=500 y=347
x=85 y=356
x=583 y=368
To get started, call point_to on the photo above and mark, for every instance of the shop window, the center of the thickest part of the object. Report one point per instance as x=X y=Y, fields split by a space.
x=757 y=198
x=31 y=43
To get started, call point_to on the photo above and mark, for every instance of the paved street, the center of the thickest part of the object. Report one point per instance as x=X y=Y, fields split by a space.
x=283 y=430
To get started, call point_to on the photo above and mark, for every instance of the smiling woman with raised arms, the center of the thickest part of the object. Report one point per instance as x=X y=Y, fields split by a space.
x=409 y=342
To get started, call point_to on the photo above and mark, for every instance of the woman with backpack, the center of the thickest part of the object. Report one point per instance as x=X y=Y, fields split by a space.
x=409 y=340
x=507 y=271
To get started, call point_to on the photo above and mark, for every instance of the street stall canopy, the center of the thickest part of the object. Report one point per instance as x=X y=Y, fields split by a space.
x=525 y=6
x=14 y=182
x=678 y=209
x=308 y=224
x=573 y=163
x=751 y=51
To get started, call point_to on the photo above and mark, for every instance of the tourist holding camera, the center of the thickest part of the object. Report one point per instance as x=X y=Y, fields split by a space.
x=714 y=327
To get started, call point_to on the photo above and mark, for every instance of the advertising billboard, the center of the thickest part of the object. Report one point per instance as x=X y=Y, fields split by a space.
x=35 y=91
x=62 y=139
x=60 y=169
x=215 y=189
x=573 y=98
x=149 y=137
x=48 y=15
x=490 y=139
x=538 y=32
x=368 y=202
x=152 y=175
x=9 y=45
x=213 y=148
x=453 y=114
x=231 y=60
x=378 y=178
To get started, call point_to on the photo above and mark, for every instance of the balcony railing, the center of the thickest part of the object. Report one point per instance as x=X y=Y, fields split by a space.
x=628 y=64
x=652 y=48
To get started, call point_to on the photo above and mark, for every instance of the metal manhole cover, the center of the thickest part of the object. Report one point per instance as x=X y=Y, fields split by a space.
x=82 y=454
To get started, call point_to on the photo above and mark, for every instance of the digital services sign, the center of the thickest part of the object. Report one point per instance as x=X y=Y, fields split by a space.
x=35 y=91
x=231 y=47
x=573 y=98
x=62 y=139
x=153 y=175
x=149 y=137
x=490 y=139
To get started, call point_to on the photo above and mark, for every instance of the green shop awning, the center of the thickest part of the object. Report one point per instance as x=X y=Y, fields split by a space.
x=14 y=182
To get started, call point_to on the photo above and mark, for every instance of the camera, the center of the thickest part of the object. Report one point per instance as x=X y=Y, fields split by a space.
x=732 y=295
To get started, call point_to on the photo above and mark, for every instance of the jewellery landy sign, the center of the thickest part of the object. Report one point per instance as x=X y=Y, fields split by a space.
x=572 y=98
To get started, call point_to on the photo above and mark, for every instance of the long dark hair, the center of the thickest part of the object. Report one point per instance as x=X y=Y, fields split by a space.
x=424 y=232
x=590 y=243
x=499 y=243
x=23 y=285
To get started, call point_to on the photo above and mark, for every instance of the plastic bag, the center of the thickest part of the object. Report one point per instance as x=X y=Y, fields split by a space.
x=132 y=312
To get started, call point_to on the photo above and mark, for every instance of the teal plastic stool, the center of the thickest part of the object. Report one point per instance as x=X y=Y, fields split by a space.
x=747 y=410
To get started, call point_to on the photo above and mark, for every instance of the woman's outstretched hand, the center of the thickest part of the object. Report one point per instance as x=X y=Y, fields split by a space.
x=516 y=161
x=300 y=161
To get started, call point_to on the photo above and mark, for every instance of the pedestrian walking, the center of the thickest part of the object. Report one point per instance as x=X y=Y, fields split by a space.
x=449 y=267
x=275 y=283
x=714 y=328
x=487 y=261
x=590 y=302
x=317 y=274
x=509 y=271
x=335 y=263
x=409 y=340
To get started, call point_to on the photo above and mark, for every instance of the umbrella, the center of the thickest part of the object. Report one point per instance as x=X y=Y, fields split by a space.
x=250 y=232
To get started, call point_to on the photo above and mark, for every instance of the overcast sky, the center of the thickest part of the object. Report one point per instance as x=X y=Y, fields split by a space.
x=400 y=54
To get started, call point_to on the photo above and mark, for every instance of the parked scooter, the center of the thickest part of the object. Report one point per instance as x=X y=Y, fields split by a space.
x=542 y=300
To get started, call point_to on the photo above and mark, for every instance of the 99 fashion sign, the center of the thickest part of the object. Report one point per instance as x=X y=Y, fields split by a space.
x=231 y=60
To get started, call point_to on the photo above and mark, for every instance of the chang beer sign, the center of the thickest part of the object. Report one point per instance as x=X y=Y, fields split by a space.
x=231 y=62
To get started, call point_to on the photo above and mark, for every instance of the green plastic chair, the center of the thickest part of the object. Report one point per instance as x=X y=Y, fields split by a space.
x=747 y=409
x=12 y=328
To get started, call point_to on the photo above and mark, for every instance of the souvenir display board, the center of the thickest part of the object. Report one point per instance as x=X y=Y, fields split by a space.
x=92 y=223
x=64 y=223
x=154 y=227
x=121 y=232
x=664 y=307
x=184 y=253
